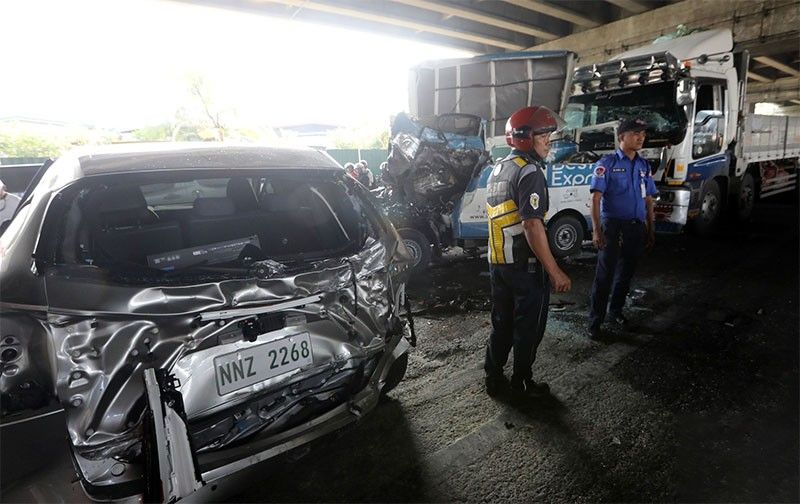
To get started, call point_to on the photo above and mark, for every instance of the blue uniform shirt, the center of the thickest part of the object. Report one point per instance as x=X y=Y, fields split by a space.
x=624 y=184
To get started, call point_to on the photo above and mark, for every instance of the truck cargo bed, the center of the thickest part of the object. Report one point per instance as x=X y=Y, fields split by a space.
x=770 y=138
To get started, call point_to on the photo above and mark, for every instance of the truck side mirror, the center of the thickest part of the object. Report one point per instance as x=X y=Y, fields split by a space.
x=686 y=91
x=704 y=116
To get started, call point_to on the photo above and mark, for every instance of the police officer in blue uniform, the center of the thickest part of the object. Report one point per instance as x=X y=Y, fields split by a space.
x=622 y=218
x=521 y=266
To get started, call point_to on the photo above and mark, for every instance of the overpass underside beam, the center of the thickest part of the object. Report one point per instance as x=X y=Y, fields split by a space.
x=769 y=29
x=753 y=23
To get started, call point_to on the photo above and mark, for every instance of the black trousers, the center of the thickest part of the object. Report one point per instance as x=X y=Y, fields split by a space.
x=520 y=299
x=616 y=264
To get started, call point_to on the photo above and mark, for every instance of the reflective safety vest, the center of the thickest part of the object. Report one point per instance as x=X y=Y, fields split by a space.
x=507 y=243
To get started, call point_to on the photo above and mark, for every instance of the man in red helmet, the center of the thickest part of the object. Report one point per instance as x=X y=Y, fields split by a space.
x=521 y=266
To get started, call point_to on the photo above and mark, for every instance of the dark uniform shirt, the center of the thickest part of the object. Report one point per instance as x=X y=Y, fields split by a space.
x=624 y=183
x=516 y=191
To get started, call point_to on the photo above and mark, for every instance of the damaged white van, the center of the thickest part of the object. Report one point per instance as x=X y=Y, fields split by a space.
x=196 y=309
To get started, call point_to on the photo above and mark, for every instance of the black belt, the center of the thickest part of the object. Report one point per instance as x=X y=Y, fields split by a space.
x=531 y=265
x=626 y=221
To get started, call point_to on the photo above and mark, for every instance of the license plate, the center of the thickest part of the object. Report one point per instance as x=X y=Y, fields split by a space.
x=247 y=366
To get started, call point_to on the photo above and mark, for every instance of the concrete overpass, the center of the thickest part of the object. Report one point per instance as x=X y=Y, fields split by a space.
x=595 y=30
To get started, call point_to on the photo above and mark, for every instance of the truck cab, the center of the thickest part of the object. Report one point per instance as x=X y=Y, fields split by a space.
x=705 y=150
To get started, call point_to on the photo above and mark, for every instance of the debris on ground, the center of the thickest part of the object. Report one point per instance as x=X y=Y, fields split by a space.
x=636 y=296
x=461 y=303
x=559 y=306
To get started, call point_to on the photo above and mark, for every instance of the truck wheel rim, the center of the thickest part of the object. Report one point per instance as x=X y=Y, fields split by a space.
x=747 y=197
x=565 y=237
x=414 y=248
x=710 y=205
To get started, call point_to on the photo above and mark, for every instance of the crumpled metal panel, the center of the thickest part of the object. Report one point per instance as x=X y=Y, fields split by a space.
x=427 y=165
x=26 y=372
x=106 y=336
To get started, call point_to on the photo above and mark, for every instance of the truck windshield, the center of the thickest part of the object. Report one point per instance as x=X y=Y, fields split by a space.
x=655 y=103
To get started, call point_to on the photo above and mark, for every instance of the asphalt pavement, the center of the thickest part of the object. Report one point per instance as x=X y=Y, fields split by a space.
x=696 y=401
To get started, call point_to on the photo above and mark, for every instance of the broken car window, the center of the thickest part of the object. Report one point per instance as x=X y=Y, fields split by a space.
x=180 y=194
x=172 y=223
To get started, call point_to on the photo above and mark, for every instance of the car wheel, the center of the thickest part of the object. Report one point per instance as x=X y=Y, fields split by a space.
x=396 y=373
x=565 y=234
x=747 y=198
x=419 y=246
x=710 y=209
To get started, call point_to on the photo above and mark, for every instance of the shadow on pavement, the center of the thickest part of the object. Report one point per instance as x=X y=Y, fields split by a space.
x=375 y=460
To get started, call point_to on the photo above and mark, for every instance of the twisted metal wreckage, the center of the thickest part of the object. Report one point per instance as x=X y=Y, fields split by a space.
x=430 y=166
x=176 y=376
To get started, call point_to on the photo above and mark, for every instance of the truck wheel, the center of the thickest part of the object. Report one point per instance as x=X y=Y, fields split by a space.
x=710 y=209
x=419 y=246
x=396 y=373
x=565 y=234
x=747 y=198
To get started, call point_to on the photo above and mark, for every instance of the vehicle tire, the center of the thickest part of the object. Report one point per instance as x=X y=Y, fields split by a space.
x=396 y=373
x=747 y=198
x=710 y=209
x=565 y=234
x=419 y=246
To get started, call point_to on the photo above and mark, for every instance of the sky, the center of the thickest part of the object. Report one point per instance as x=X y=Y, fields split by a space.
x=124 y=64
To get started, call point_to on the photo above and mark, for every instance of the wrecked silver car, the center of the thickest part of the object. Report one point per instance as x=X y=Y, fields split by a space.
x=197 y=309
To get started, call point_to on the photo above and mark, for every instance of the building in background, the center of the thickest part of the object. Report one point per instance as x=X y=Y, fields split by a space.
x=309 y=134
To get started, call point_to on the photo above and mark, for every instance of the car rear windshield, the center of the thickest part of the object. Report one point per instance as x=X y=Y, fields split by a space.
x=173 y=223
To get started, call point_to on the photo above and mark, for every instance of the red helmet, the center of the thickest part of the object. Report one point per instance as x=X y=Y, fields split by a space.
x=529 y=121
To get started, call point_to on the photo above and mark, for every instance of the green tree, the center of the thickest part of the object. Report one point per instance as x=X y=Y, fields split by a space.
x=362 y=137
x=156 y=133
x=200 y=90
x=27 y=145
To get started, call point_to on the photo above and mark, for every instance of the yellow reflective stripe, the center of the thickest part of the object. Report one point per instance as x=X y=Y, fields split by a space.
x=502 y=208
x=507 y=220
x=520 y=162
x=496 y=247
x=497 y=237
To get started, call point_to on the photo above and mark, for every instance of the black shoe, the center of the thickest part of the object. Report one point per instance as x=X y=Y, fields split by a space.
x=496 y=385
x=529 y=389
x=594 y=334
x=618 y=319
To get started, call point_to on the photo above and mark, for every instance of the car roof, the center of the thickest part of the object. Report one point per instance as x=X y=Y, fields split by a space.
x=142 y=157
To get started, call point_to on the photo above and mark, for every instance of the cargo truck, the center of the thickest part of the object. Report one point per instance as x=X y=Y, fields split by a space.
x=710 y=155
